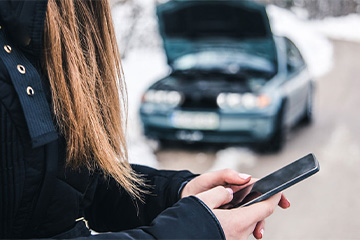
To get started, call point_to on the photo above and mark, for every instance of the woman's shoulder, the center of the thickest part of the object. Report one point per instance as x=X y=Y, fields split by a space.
x=10 y=107
x=22 y=94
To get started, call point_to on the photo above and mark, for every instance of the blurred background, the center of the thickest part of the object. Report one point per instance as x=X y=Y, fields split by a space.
x=327 y=33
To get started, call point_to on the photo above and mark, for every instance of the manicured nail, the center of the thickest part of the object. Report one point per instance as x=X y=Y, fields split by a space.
x=244 y=176
x=262 y=232
x=230 y=191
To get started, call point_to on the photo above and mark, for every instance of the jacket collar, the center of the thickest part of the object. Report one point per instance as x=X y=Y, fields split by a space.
x=23 y=22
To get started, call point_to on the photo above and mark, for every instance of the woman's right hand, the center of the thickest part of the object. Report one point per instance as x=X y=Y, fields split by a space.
x=240 y=223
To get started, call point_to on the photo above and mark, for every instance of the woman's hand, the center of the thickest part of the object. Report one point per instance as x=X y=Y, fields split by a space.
x=240 y=223
x=227 y=178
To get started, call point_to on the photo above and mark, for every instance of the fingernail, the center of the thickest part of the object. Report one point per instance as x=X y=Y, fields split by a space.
x=244 y=176
x=262 y=232
x=288 y=202
x=230 y=191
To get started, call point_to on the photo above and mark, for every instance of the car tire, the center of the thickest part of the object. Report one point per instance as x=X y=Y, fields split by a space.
x=277 y=140
x=308 y=112
x=163 y=144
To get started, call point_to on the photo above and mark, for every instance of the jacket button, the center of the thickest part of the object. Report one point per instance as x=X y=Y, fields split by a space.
x=30 y=91
x=7 y=48
x=21 y=69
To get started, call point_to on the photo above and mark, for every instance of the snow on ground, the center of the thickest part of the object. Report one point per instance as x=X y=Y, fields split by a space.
x=234 y=158
x=143 y=66
x=341 y=28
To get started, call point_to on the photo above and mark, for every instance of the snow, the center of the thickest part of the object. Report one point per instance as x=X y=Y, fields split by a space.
x=234 y=158
x=141 y=68
x=341 y=28
x=145 y=63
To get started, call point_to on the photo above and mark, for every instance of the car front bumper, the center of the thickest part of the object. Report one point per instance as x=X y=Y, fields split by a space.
x=230 y=128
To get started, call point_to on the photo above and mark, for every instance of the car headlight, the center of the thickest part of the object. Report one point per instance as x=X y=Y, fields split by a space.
x=171 y=98
x=229 y=100
x=242 y=101
x=174 y=98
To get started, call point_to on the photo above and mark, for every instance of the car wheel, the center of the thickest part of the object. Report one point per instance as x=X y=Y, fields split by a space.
x=167 y=144
x=308 y=113
x=278 y=139
x=163 y=144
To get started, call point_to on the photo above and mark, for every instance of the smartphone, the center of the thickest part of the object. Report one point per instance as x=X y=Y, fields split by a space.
x=275 y=182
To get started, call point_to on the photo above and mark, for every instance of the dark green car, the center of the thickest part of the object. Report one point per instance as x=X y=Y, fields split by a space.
x=232 y=80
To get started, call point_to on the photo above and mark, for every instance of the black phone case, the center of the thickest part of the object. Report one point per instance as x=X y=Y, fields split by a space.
x=310 y=172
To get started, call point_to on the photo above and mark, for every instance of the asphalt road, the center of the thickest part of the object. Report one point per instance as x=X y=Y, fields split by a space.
x=326 y=206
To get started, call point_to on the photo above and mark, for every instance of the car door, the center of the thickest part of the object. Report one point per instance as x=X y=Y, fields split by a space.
x=297 y=86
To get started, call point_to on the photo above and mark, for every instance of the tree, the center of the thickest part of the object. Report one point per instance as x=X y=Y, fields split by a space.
x=320 y=8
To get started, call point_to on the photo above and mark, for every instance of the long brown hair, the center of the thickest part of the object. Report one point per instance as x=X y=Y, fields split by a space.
x=82 y=61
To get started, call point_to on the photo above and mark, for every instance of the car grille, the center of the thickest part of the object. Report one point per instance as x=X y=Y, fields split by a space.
x=198 y=101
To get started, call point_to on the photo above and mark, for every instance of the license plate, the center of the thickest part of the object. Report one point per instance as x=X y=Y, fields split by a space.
x=195 y=120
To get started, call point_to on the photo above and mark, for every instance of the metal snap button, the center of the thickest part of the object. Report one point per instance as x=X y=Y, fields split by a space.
x=21 y=69
x=0 y=27
x=7 y=48
x=30 y=91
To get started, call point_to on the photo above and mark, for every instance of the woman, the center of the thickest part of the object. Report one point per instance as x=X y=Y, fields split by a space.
x=63 y=153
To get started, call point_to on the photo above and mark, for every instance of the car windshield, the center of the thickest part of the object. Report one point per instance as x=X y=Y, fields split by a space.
x=230 y=62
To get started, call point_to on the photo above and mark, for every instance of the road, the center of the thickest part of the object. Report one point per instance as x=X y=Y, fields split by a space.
x=326 y=206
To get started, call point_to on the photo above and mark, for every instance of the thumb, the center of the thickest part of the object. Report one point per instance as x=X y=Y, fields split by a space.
x=216 y=197
x=261 y=210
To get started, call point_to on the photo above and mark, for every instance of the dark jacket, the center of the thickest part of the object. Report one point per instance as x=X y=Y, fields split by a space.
x=39 y=196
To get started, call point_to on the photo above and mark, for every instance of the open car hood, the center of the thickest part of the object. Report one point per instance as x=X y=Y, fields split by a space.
x=193 y=26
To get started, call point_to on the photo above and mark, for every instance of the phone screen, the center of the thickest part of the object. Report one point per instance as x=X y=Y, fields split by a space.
x=275 y=182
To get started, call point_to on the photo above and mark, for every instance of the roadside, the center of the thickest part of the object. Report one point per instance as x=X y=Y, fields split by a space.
x=325 y=206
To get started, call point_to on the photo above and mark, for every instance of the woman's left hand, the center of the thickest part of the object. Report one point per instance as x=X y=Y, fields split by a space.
x=227 y=178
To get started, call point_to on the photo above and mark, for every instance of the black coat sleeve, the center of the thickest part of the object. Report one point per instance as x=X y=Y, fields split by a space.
x=112 y=209
x=162 y=216
x=189 y=218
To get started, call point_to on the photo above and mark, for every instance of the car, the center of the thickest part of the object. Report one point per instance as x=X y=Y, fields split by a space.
x=232 y=80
